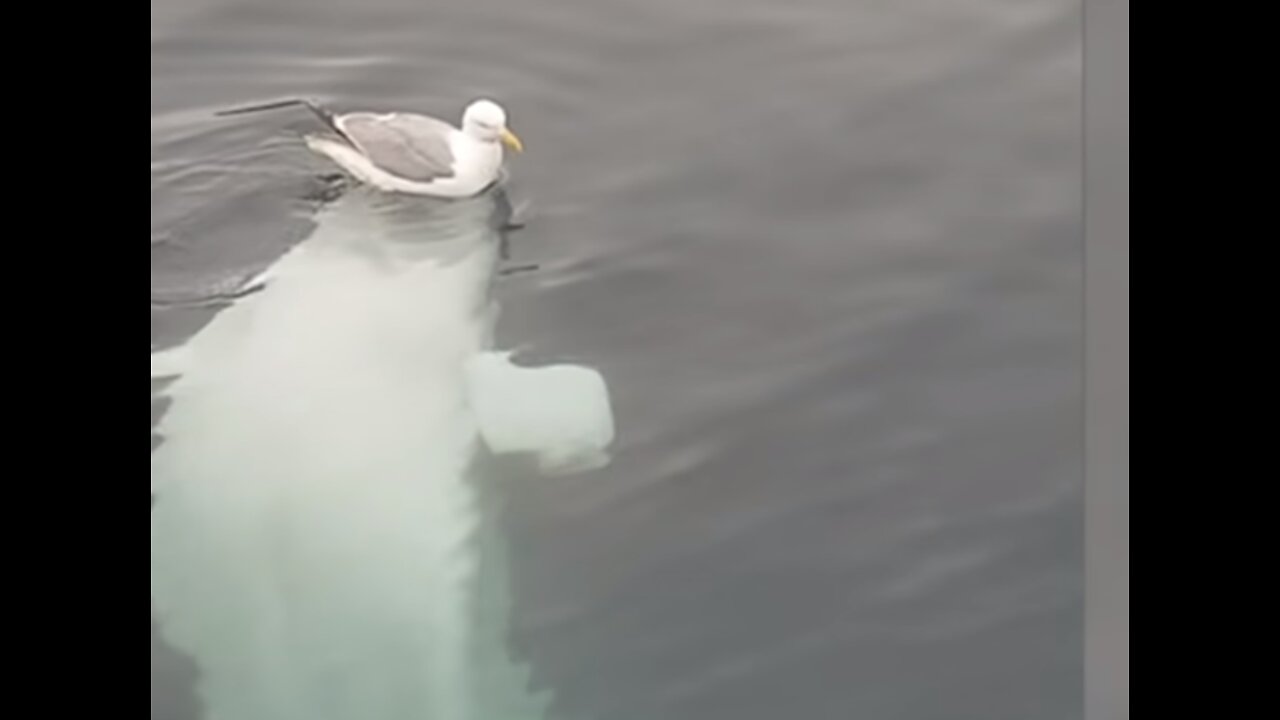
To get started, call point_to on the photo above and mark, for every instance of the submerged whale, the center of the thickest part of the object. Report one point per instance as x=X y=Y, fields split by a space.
x=320 y=546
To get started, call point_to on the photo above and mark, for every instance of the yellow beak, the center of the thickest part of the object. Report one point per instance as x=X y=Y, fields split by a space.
x=510 y=139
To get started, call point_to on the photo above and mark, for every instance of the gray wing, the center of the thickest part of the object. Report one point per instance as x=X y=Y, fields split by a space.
x=413 y=147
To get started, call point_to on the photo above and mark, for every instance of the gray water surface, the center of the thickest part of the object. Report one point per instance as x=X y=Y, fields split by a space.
x=828 y=254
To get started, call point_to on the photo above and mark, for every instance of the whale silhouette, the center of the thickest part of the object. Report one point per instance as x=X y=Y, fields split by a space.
x=321 y=546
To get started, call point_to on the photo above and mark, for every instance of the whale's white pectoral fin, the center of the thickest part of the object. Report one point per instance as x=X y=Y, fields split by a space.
x=573 y=461
x=560 y=413
x=168 y=363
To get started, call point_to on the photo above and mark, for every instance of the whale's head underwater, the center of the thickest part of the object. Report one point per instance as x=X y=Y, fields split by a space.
x=315 y=521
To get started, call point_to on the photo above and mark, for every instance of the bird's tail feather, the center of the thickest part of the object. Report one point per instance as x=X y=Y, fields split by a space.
x=326 y=116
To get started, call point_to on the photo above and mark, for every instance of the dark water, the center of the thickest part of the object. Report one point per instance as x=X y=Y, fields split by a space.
x=827 y=253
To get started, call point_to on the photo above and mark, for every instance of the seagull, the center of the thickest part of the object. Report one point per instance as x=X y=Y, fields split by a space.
x=412 y=154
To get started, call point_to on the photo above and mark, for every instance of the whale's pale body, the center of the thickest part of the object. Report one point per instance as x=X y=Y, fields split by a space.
x=315 y=532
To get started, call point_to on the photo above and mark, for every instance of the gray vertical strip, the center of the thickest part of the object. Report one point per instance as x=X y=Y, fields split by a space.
x=1107 y=194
